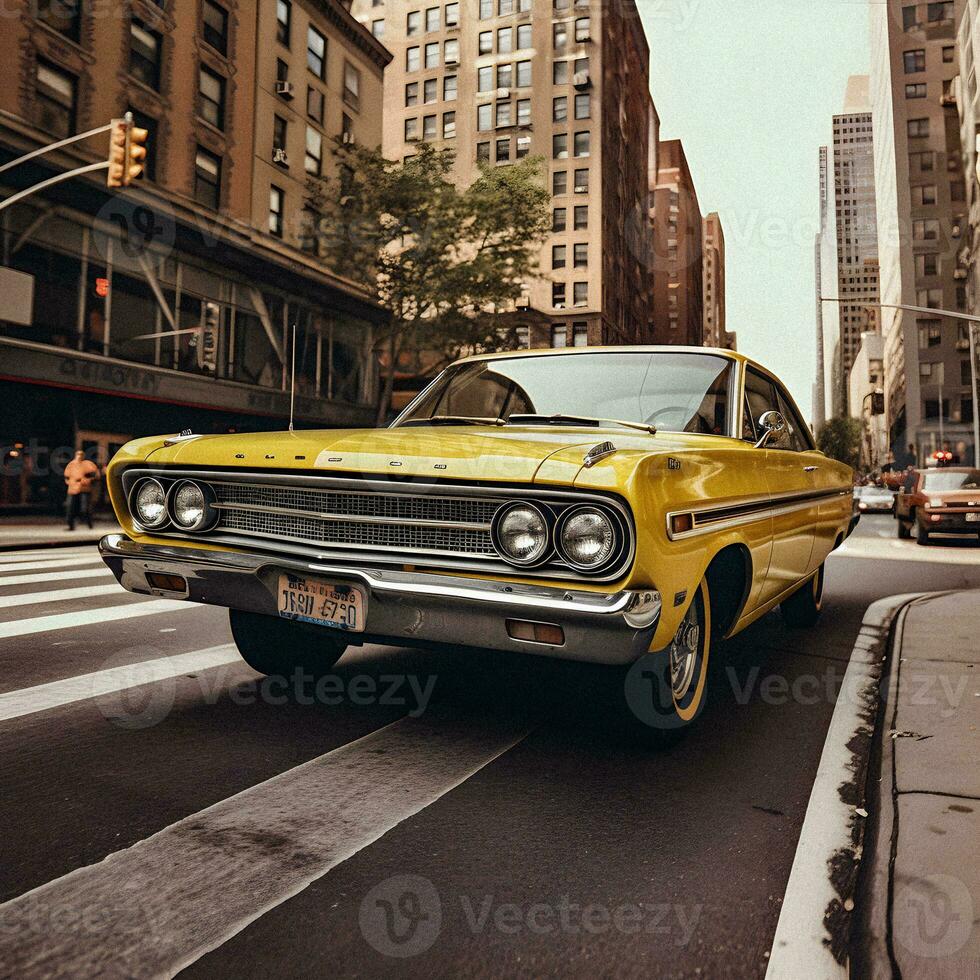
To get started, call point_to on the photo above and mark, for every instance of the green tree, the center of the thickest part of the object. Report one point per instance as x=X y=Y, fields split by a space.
x=439 y=258
x=840 y=439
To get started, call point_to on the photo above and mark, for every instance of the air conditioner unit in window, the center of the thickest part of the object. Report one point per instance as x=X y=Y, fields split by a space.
x=452 y=59
x=581 y=79
x=581 y=188
x=347 y=138
x=559 y=306
x=279 y=155
x=503 y=93
x=284 y=89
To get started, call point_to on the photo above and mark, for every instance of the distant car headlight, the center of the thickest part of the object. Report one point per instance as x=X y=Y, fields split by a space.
x=863 y=505
x=190 y=506
x=520 y=534
x=586 y=538
x=149 y=504
x=935 y=502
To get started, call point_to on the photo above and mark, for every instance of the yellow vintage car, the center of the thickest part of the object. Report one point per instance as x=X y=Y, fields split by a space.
x=610 y=505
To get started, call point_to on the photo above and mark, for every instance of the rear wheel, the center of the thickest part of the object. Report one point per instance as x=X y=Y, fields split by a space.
x=802 y=608
x=904 y=531
x=665 y=691
x=276 y=646
x=921 y=532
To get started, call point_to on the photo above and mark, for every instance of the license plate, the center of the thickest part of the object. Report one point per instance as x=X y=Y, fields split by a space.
x=973 y=517
x=311 y=600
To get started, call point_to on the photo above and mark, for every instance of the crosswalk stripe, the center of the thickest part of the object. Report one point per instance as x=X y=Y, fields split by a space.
x=60 y=595
x=163 y=903
x=27 y=566
x=54 y=576
x=86 y=617
x=56 y=694
x=21 y=554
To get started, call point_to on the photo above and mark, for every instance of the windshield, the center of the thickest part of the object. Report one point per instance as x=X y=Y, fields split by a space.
x=676 y=392
x=948 y=480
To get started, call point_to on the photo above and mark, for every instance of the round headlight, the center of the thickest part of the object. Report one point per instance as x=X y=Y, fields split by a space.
x=150 y=503
x=586 y=538
x=190 y=506
x=521 y=534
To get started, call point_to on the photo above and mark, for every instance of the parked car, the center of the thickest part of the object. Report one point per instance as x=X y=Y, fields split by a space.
x=871 y=499
x=589 y=504
x=945 y=499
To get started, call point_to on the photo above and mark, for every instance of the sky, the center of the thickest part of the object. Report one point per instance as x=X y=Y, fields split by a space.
x=749 y=87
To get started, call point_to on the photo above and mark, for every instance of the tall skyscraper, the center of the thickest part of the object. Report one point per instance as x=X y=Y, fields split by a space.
x=499 y=80
x=713 y=248
x=921 y=210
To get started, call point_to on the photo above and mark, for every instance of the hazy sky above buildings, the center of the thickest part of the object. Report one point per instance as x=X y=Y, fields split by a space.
x=750 y=87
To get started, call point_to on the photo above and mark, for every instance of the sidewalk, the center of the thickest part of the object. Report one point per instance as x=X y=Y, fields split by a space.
x=919 y=900
x=49 y=532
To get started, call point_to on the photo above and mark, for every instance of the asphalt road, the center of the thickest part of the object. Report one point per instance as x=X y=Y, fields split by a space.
x=431 y=815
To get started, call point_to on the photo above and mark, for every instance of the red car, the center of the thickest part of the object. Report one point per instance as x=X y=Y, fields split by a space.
x=945 y=499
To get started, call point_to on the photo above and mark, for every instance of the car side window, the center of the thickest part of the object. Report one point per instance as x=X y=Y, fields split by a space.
x=795 y=439
x=760 y=397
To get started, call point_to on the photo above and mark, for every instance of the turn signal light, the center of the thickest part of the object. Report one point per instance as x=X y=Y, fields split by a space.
x=522 y=629
x=166 y=583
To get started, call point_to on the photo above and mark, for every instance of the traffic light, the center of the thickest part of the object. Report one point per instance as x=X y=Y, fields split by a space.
x=127 y=152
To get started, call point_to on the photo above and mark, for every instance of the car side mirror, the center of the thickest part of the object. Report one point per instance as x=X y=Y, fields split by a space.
x=771 y=424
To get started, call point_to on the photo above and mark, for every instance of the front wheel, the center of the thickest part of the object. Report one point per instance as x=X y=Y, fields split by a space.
x=274 y=646
x=665 y=691
x=921 y=533
x=904 y=531
x=802 y=608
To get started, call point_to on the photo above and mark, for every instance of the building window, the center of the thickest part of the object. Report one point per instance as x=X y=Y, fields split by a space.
x=279 y=140
x=378 y=28
x=924 y=162
x=930 y=298
x=282 y=71
x=559 y=254
x=485 y=79
x=557 y=294
x=484 y=118
x=559 y=335
x=927 y=264
x=430 y=90
x=485 y=42
x=925 y=369
x=918 y=128
x=483 y=152
x=276 y=199
x=583 y=142
x=560 y=36
x=346 y=128
x=505 y=7
x=449 y=125
x=56 y=97
x=316 y=52
x=559 y=108
x=505 y=40
x=452 y=15
x=559 y=73
x=949 y=54
x=523 y=74
x=957 y=190
x=352 y=86
x=284 y=19
x=412 y=93
x=486 y=9
x=413 y=23
x=314 y=152
x=505 y=75
x=580 y=256
x=314 y=104
x=580 y=294
x=581 y=221
x=581 y=29
x=559 y=182
x=432 y=19
x=523 y=112
x=583 y=106
x=917 y=91
x=910 y=17
x=413 y=58
x=915 y=61
x=504 y=114
x=559 y=146
x=144 y=54
x=63 y=16
x=939 y=13
x=581 y=181
x=412 y=129
x=523 y=335
x=523 y=146
x=207 y=178
x=559 y=219
x=450 y=52
x=580 y=334
x=503 y=150
x=212 y=92
x=924 y=195
x=428 y=127
x=523 y=37
x=215 y=28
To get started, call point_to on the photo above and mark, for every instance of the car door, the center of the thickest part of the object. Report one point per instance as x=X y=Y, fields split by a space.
x=789 y=471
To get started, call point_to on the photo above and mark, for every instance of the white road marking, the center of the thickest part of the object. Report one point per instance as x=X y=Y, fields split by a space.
x=86 y=617
x=35 y=577
x=60 y=595
x=56 y=694
x=156 y=907
x=21 y=554
x=50 y=563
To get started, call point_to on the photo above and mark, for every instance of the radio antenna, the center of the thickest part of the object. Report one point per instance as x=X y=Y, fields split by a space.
x=292 y=382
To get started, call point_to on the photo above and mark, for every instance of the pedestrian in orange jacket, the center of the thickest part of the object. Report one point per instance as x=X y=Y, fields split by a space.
x=81 y=475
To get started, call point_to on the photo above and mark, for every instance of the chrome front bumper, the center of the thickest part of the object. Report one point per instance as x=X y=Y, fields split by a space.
x=406 y=608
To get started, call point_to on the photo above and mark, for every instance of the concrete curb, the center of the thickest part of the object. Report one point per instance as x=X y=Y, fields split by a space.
x=812 y=934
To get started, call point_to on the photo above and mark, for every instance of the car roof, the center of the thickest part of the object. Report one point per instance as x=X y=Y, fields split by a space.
x=638 y=349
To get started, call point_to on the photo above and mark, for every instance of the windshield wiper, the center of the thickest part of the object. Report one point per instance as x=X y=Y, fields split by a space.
x=454 y=420
x=560 y=419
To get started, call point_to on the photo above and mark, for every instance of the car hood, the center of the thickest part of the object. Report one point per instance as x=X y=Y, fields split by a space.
x=955 y=498
x=471 y=453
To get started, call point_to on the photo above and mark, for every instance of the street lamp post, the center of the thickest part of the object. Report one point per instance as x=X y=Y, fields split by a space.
x=972 y=320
